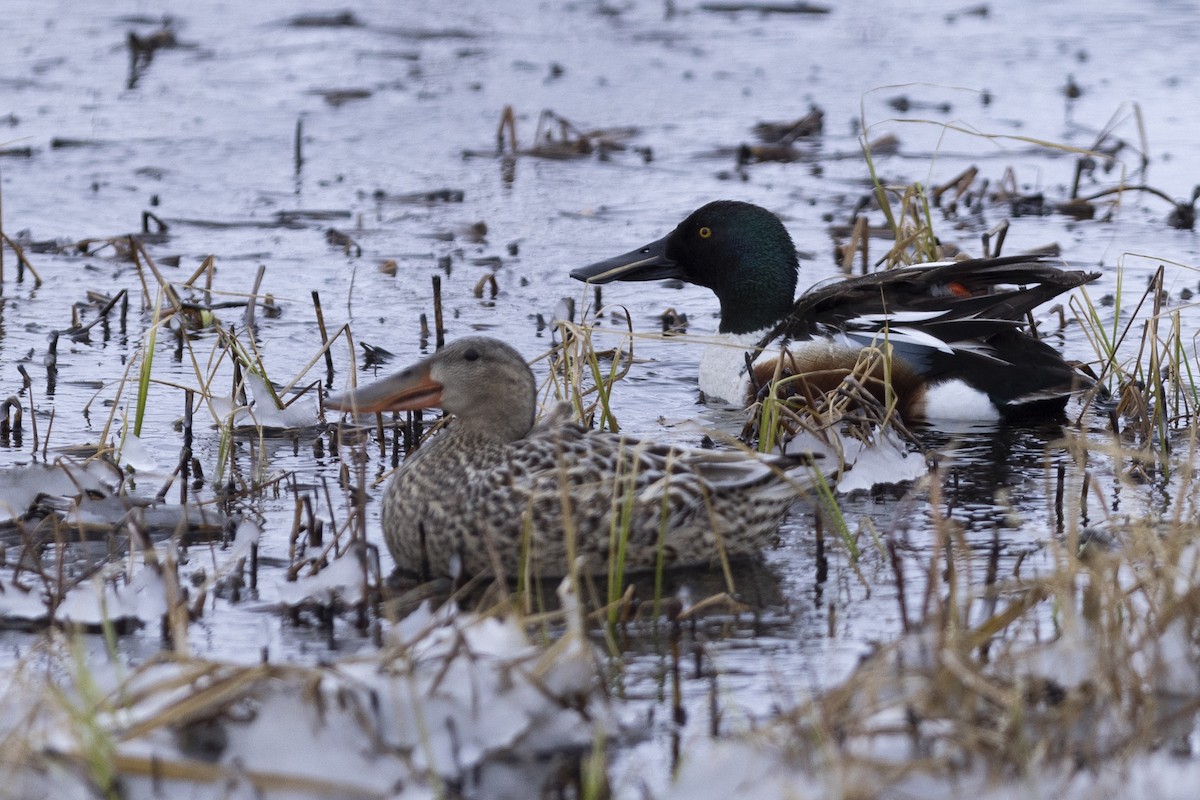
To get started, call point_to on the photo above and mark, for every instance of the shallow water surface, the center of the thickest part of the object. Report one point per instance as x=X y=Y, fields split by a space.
x=255 y=137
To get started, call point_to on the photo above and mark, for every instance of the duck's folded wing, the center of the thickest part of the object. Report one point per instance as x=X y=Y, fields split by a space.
x=997 y=289
x=653 y=494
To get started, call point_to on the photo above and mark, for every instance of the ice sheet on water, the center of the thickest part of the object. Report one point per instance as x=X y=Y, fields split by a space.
x=94 y=602
x=341 y=579
x=141 y=599
x=21 y=602
x=264 y=410
x=465 y=692
x=881 y=460
x=136 y=456
x=21 y=486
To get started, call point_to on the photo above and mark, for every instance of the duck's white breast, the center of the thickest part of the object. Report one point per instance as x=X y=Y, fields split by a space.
x=723 y=366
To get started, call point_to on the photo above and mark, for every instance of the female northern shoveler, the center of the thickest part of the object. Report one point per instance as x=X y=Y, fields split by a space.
x=497 y=492
x=954 y=329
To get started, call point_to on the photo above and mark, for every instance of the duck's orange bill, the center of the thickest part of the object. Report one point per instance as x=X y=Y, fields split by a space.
x=410 y=390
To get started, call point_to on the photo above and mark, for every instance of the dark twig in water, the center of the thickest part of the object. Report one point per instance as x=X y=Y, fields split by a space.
x=999 y=231
x=438 y=328
x=182 y=469
x=206 y=269
x=239 y=386
x=1183 y=215
x=136 y=247
x=898 y=570
x=32 y=414
x=1060 y=490
x=488 y=280
x=248 y=319
x=7 y=425
x=960 y=183
x=673 y=609
x=298 y=147
x=76 y=330
x=508 y=123
x=316 y=296
x=150 y=216
x=798 y=7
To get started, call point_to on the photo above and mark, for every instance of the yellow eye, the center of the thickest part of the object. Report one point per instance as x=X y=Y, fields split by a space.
x=705 y=232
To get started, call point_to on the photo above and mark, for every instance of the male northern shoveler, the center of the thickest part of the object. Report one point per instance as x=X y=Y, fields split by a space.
x=498 y=492
x=954 y=329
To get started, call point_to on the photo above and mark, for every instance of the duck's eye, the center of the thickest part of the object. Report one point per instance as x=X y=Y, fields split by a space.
x=705 y=232
x=471 y=355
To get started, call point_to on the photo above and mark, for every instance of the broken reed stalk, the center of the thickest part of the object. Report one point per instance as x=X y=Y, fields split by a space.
x=185 y=455
x=298 y=145
x=316 y=297
x=12 y=428
x=107 y=307
x=678 y=714
x=238 y=391
x=248 y=319
x=822 y=559
x=1059 y=491
x=22 y=261
x=176 y=619
x=49 y=430
x=898 y=570
x=439 y=330
x=206 y=269
x=32 y=415
x=136 y=247
x=337 y=529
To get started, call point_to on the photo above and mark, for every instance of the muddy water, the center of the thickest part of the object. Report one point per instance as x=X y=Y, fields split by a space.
x=407 y=99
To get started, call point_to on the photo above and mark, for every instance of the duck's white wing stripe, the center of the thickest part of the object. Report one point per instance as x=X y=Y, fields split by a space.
x=898 y=337
x=876 y=320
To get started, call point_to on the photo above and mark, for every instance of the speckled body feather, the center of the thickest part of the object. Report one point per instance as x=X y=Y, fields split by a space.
x=521 y=500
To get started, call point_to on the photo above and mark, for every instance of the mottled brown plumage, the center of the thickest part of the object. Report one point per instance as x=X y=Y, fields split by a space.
x=494 y=491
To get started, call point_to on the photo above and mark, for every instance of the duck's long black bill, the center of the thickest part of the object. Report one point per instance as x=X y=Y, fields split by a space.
x=647 y=263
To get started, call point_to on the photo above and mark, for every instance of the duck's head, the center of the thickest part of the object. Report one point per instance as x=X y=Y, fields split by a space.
x=739 y=250
x=482 y=381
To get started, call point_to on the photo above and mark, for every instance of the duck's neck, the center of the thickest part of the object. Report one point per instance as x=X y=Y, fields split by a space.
x=755 y=299
x=500 y=427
